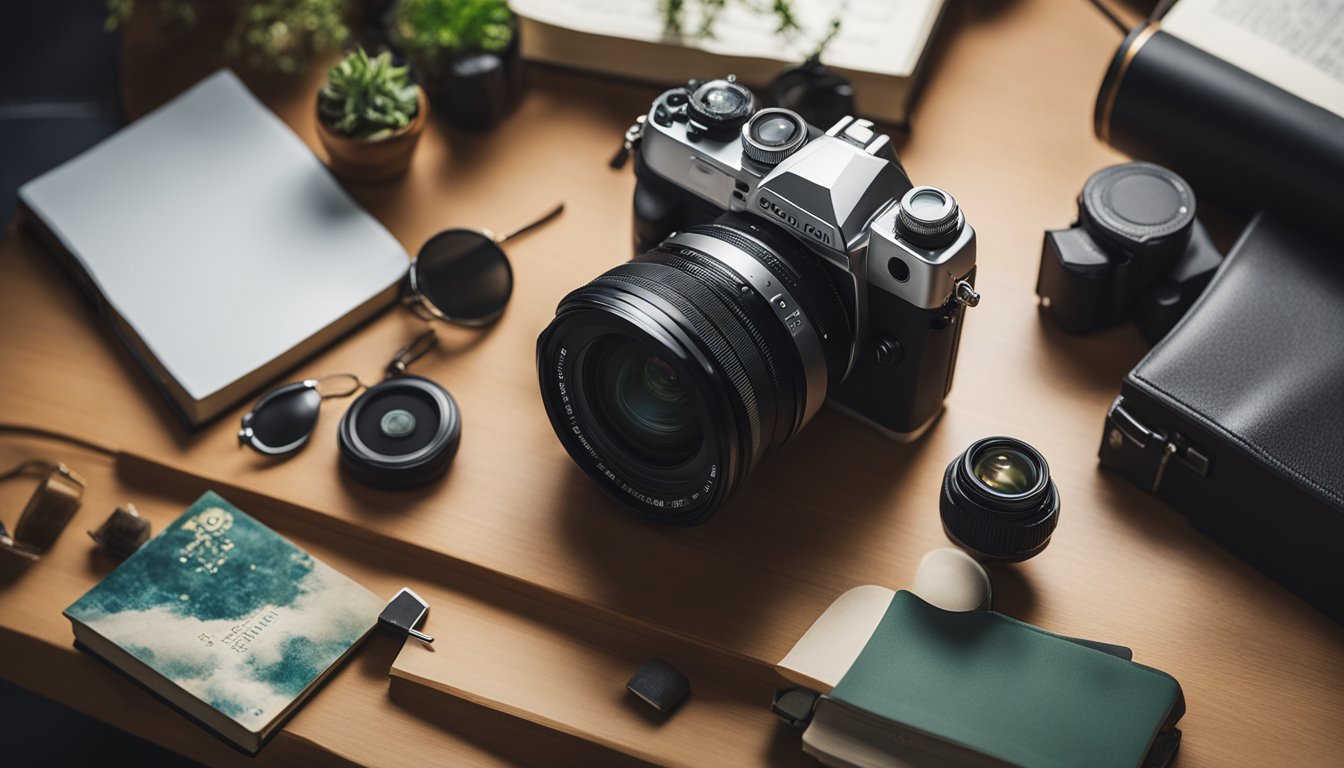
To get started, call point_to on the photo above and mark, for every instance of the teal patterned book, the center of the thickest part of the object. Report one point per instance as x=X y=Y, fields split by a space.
x=225 y=619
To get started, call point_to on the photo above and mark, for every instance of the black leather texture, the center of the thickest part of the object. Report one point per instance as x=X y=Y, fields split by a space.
x=1252 y=378
x=1238 y=139
x=1261 y=356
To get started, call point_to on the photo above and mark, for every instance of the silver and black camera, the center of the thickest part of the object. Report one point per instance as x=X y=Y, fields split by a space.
x=777 y=266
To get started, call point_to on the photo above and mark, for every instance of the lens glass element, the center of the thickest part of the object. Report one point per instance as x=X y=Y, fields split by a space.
x=1006 y=470
x=774 y=131
x=927 y=204
x=722 y=99
x=644 y=403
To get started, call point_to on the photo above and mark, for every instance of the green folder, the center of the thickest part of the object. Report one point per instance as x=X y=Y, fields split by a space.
x=1007 y=690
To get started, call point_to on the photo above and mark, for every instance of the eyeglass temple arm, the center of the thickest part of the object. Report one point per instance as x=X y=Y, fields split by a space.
x=545 y=218
x=43 y=467
x=408 y=354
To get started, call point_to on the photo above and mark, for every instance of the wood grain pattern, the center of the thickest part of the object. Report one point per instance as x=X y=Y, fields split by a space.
x=1004 y=123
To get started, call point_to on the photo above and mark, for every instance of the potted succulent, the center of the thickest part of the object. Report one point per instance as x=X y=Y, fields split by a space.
x=465 y=52
x=369 y=116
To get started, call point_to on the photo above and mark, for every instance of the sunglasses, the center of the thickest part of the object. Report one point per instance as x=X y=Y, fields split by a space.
x=47 y=512
x=460 y=276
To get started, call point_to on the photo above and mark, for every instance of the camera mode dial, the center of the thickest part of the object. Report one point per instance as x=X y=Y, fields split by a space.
x=719 y=106
x=773 y=134
x=928 y=217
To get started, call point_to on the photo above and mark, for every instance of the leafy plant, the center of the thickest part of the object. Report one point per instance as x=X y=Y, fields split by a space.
x=428 y=30
x=367 y=97
x=676 y=12
x=273 y=34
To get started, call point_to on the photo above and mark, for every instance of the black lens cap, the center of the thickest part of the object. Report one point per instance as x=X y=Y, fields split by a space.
x=401 y=433
x=1140 y=208
x=998 y=500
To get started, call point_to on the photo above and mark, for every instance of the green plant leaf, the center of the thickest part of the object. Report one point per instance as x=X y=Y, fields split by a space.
x=367 y=97
x=430 y=31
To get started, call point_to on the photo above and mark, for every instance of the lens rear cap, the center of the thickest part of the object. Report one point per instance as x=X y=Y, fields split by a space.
x=1140 y=208
x=401 y=433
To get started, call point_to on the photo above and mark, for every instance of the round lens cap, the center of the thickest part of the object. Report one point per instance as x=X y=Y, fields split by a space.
x=1141 y=208
x=401 y=433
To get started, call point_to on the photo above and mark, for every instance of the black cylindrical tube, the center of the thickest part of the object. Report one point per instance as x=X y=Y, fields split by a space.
x=1238 y=139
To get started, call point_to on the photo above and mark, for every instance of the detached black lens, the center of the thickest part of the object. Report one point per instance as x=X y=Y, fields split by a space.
x=998 y=500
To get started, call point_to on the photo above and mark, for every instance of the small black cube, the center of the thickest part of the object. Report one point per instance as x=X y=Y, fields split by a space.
x=660 y=685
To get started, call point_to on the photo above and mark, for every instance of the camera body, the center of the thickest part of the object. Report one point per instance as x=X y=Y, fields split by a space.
x=905 y=280
x=777 y=267
x=1136 y=251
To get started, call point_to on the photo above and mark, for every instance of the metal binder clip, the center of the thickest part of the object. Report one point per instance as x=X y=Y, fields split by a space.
x=405 y=613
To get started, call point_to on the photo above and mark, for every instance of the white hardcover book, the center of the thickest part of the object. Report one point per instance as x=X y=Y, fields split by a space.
x=881 y=45
x=221 y=248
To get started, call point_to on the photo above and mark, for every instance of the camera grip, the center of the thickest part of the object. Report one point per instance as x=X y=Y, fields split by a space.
x=905 y=366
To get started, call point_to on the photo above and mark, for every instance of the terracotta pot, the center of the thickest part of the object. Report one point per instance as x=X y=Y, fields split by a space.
x=364 y=160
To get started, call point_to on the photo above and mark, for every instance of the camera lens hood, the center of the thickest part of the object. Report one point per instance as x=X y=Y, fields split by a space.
x=995 y=523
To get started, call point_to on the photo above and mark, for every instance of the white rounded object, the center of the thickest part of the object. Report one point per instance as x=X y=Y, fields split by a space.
x=952 y=580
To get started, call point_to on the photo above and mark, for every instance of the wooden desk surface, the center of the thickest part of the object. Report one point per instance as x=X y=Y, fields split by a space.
x=519 y=553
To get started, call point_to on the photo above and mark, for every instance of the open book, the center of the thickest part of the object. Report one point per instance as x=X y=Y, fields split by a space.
x=880 y=45
x=1297 y=45
x=907 y=684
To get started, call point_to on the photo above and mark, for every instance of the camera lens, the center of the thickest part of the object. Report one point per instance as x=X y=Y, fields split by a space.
x=998 y=500
x=645 y=403
x=721 y=106
x=670 y=377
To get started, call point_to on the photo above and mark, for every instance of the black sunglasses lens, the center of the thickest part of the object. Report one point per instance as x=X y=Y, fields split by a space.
x=465 y=275
x=282 y=420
